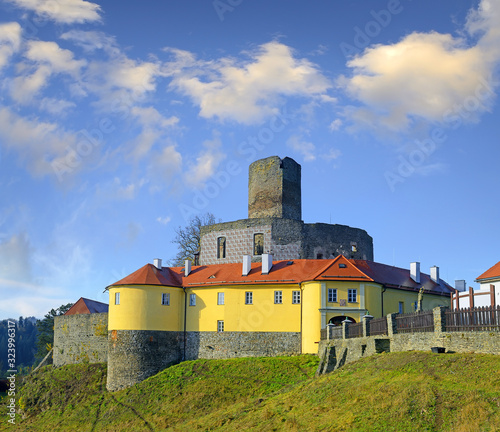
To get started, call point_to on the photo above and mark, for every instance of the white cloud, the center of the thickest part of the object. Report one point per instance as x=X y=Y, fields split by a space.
x=47 y=58
x=63 y=11
x=207 y=162
x=246 y=92
x=154 y=126
x=91 y=41
x=163 y=220
x=305 y=148
x=15 y=258
x=426 y=76
x=335 y=125
x=332 y=154
x=57 y=107
x=37 y=143
x=10 y=41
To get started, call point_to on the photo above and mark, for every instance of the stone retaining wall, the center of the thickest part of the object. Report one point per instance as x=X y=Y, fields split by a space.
x=134 y=355
x=80 y=338
x=214 y=345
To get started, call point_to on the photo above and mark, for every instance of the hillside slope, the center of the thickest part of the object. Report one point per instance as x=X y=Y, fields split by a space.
x=390 y=392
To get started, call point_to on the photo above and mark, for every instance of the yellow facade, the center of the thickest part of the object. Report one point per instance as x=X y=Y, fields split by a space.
x=262 y=315
x=140 y=307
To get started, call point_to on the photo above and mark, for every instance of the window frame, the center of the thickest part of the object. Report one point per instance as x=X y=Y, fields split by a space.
x=350 y=293
x=296 y=297
x=249 y=297
x=192 y=299
x=220 y=298
x=117 y=298
x=401 y=307
x=221 y=239
x=278 y=297
x=220 y=326
x=332 y=295
x=165 y=299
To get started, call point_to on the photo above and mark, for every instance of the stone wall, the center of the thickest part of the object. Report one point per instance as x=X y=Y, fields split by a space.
x=332 y=240
x=80 y=338
x=134 y=355
x=285 y=239
x=337 y=352
x=274 y=188
x=214 y=345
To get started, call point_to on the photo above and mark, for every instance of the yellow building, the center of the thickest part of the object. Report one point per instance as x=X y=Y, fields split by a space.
x=231 y=310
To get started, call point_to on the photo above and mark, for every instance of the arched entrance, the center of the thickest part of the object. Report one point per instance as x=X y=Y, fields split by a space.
x=338 y=320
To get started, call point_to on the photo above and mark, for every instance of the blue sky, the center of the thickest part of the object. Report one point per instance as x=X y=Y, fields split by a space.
x=121 y=120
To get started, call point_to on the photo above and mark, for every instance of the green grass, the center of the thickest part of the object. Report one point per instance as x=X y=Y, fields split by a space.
x=411 y=391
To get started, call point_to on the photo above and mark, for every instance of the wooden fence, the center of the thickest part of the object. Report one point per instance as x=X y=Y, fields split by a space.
x=378 y=326
x=355 y=330
x=415 y=322
x=473 y=319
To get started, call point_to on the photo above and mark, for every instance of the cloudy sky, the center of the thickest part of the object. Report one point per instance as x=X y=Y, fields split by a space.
x=119 y=121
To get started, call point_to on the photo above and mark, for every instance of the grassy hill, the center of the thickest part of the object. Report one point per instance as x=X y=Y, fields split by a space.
x=412 y=391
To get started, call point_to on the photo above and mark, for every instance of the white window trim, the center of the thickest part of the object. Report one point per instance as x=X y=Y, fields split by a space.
x=117 y=298
x=278 y=297
x=220 y=298
x=220 y=326
x=295 y=297
x=332 y=291
x=249 y=297
x=350 y=293
x=165 y=299
x=192 y=299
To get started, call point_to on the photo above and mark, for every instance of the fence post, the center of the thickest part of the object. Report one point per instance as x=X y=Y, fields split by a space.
x=391 y=324
x=328 y=330
x=345 y=329
x=366 y=325
x=439 y=320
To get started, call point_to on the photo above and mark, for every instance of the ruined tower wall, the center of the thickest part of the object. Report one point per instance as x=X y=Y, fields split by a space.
x=274 y=189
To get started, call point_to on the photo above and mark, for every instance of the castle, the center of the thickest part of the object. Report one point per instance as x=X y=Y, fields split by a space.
x=274 y=224
x=264 y=286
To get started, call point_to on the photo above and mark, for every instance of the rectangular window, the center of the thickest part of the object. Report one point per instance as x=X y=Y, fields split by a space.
x=295 y=297
x=192 y=299
x=220 y=326
x=352 y=295
x=220 y=298
x=117 y=298
x=332 y=295
x=415 y=305
x=401 y=307
x=278 y=297
x=248 y=297
x=165 y=299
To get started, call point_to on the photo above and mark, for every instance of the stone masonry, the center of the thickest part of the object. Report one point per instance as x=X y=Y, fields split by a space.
x=274 y=210
x=80 y=338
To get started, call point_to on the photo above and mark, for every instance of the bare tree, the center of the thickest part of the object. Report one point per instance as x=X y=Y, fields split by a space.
x=188 y=238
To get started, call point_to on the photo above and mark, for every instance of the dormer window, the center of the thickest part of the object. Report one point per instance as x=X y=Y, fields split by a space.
x=342 y=265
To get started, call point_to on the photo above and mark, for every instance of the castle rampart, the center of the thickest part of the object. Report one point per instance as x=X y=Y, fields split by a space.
x=79 y=338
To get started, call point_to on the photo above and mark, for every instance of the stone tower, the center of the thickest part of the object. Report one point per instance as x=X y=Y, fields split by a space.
x=274 y=189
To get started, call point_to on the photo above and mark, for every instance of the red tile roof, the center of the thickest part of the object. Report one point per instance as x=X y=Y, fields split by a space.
x=87 y=306
x=283 y=272
x=492 y=272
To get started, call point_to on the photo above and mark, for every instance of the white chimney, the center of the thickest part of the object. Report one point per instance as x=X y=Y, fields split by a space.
x=247 y=265
x=187 y=267
x=267 y=263
x=460 y=285
x=435 y=274
x=415 y=271
x=157 y=263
